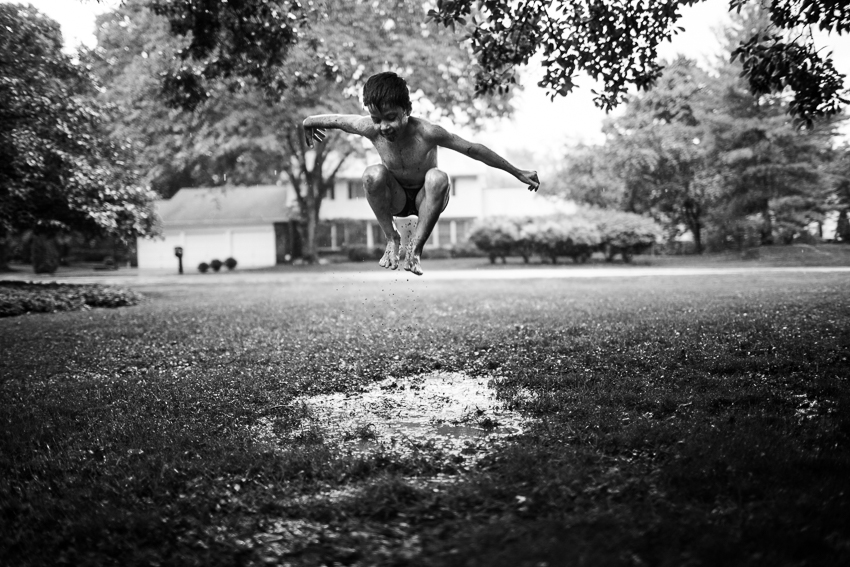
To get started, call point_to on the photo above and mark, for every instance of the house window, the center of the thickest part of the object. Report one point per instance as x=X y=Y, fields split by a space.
x=378 y=238
x=462 y=181
x=452 y=186
x=444 y=233
x=355 y=233
x=355 y=190
x=461 y=230
x=323 y=235
x=331 y=192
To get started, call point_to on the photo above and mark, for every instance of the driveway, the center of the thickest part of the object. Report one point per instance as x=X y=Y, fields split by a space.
x=132 y=277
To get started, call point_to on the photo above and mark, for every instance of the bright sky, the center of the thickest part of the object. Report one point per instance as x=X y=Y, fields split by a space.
x=540 y=126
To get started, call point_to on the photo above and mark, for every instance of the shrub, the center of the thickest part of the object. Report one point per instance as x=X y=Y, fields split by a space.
x=230 y=263
x=363 y=253
x=496 y=237
x=732 y=234
x=216 y=265
x=546 y=238
x=523 y=244
x=436 y=253
x=17 y=298
x=581 y=239
x=624 y=233
x=466 y=250
x=203 y=267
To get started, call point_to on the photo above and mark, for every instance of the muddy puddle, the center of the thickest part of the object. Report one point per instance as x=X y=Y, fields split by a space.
x=451 y=413
x=451 y=419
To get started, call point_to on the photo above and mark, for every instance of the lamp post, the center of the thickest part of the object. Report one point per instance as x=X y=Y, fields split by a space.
x=178 y=251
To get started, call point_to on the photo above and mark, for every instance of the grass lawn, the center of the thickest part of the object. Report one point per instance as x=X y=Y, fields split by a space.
x=673 y=421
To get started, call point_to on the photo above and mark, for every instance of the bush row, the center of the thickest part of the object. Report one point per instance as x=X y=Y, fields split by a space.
x=17 y=298
x=216 y=265
x=577 y=236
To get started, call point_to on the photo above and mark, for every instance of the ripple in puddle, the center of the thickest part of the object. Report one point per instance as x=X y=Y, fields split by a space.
x=448 y=411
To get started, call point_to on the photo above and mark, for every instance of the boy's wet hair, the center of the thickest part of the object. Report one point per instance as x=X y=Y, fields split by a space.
x=386 y=89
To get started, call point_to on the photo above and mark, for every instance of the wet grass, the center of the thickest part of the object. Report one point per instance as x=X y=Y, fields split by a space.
x=678 y=421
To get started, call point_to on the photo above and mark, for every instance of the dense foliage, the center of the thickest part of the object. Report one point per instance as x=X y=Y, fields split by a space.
x=573 y=237
x=230 y=41
x=243 y=134
x=616 y=42
x=59 y=170
x=624 y=233
x=577 y=236
x=19 y=298
x=497 y=237
x=699 y=151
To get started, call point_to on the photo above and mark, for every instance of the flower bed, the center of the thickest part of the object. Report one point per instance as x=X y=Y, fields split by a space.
x=18 y=298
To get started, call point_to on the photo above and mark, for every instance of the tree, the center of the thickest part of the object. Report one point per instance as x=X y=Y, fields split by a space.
x=700 y=149
x=243 y=133
x=58 y=169
x=839 y=174
x=616 y=43
x=231 y=41
x=658 y=149
x=767 y=165
x=585 y=176
x=229 y=139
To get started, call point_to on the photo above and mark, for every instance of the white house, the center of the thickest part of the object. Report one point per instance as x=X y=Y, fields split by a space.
x=256 y=225
x=477 y=192
x=244 y=223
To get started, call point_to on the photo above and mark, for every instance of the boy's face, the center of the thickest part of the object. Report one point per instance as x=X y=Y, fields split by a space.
x=391 y=120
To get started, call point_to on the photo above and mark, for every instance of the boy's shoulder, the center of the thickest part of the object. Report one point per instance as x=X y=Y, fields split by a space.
x=426 y=127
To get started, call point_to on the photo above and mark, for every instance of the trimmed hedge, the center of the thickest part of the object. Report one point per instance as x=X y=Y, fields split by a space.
x=577 y=236
x=625 y=233
x=567 y=236
x=18 y=298
x=496 y=237
x=364 y=253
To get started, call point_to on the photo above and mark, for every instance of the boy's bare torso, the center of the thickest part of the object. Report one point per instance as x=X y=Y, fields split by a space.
x=410 y=157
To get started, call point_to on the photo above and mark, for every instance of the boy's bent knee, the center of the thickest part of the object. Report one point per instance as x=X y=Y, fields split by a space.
x=375 y=176
x=437 y=179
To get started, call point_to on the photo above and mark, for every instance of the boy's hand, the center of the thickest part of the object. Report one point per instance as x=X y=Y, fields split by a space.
x=530 y=179
x=311 y=133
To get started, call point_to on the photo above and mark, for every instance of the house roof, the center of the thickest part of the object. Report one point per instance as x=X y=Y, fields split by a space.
x=216 y=206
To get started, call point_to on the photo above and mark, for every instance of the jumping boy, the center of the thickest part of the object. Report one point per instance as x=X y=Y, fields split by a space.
x=407 y=182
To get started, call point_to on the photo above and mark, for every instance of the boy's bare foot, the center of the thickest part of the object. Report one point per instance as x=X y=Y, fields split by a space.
x=411 y=260
x=390 y=257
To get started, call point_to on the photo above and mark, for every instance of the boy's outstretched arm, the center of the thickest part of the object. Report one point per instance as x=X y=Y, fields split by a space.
x=485 y=155
x=315 y=126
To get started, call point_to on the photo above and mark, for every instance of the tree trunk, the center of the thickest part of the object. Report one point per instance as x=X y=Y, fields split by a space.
x=696 y=230
x=45 y=256
x=692 y=213
x=842 y=229
x=766 y=227
x=311 y=223
x=4 y=256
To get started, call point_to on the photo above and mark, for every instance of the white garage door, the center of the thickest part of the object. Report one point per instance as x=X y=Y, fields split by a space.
x=254 y=247
x=205 y=246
